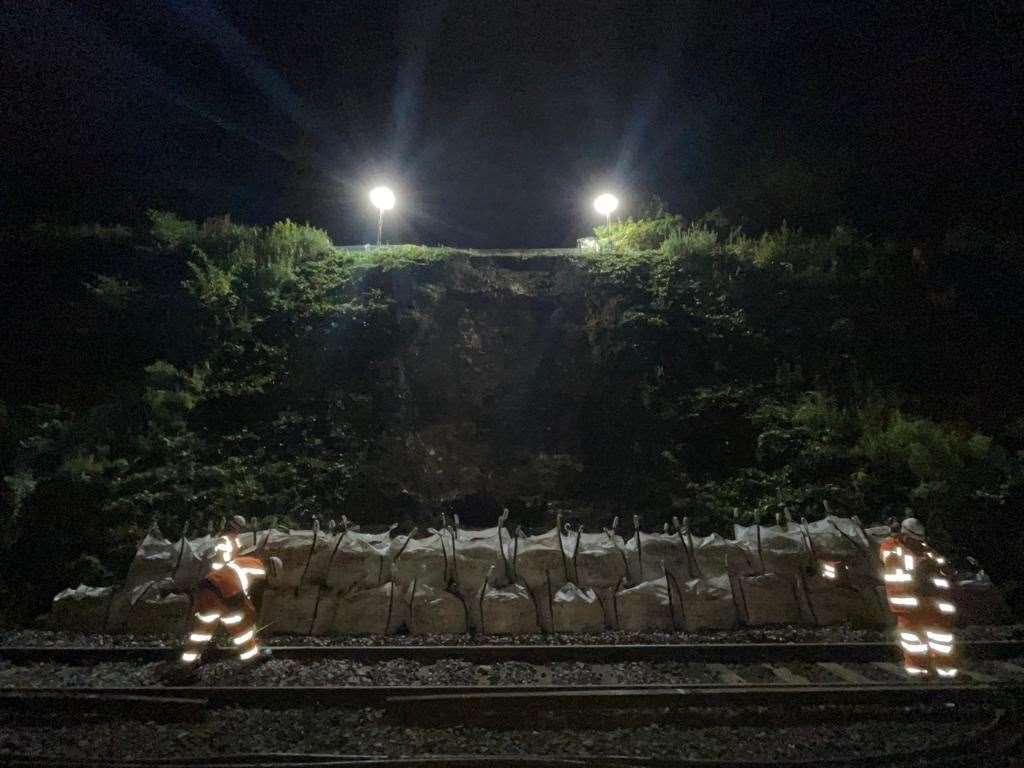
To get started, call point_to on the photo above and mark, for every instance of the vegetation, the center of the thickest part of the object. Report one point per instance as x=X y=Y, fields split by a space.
x=198 y=370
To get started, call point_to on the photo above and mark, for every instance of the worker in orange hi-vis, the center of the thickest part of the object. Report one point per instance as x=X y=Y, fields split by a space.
x=917 y=584
x=224 y=598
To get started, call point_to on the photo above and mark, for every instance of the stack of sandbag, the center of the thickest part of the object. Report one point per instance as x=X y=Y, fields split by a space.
x=356 y=561
x=291 y=610
x=599 y=563
x=478 y=553
x=647 y=553
x=830 y=602
x=435 y=611
x=541 y=562
x=83 y=609
x=842 y=539
x=576 y=609
x=155 y=614
x=645 y=607
x=507 y=610
x=769 y=598
x=425 y=560
x=376 y=611
x=155 y=560
x=775 y=548
x=296 y=550
x=291 y=607
x=716 y=556
x=707 y=603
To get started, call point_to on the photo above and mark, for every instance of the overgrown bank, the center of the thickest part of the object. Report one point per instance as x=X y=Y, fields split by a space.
x=206 y=370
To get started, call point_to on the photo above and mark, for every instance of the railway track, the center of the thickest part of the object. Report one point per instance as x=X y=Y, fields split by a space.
x=705 y=653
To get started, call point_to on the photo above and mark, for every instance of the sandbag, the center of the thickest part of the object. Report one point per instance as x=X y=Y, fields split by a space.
x=82 y=609
x=191 y=566
x=477 y=554
x=295 y=549
x=376 y=611
x=435 y=611
x=647 y=606
x=598 y=560
x=715 y=556
x=707 y=603
x=978 y=601
x=647 y=552
x=840 y=538
x=769 y=598
x=542 y=563
x=289 y=610
x=775 y=549
x=576 y=609
x=507 y=610
x=830 y=603
x=154 y=560
x=159 y=615
x=355 y=561
x=422 y=560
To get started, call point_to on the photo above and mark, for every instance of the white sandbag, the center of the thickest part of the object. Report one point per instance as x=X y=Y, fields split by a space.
x=647 y=606
x=376 y=611
x=355 y=561
x=289 y=610
x=542 y=558
x=716 y=556
x=707 y=603
x=295 y=549
x=842 y=539
x=576 y=609
x=422 y=560
x=191 y=566
x=647 y=552
x=775 y=549
x=876 y=534
x=82 y=609
x=435 y=611
x=598 y=561
x=507 y=610
x=159 y=615
x=477 y=554
x=769 y=598
x=831 y=603
x=154 y=560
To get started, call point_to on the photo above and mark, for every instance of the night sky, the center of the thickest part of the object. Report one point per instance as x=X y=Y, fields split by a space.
x=496 y=122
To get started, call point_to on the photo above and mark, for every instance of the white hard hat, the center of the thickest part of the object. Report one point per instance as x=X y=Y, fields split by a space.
x=914 y=527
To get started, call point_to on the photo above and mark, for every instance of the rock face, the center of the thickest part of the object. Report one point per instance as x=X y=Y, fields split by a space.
x=490 y=378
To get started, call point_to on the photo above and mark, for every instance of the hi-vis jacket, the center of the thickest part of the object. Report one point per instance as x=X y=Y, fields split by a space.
x=917 y=580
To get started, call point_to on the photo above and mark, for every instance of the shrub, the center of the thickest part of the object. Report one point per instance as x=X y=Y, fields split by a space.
x=645 y=234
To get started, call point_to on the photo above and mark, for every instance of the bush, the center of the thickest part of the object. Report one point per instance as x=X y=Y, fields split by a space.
x=646 y=234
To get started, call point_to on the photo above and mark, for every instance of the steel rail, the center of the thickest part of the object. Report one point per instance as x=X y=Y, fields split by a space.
x=167 y=709
x=735 y=653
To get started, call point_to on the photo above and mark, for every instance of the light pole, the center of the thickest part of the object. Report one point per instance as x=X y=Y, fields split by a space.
x=384 y=199
x=606 y=204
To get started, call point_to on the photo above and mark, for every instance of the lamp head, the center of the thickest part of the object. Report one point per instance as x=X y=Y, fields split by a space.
x=606 y=204
x=383 y=198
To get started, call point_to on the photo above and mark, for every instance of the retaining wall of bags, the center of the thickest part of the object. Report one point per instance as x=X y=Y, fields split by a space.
x=457 y=580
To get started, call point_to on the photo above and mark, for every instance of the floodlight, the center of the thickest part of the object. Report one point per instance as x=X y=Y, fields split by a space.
x=384 y=200
x=606 y=204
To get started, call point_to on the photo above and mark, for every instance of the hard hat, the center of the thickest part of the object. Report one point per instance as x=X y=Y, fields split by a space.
x=236 y=524
x=914 y=527
x=274 y=567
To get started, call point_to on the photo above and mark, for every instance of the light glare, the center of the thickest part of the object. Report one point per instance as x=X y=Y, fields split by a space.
x=383 y=198
x=605 y=204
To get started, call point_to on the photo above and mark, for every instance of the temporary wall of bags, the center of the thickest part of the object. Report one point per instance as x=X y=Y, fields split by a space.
x=496 y=581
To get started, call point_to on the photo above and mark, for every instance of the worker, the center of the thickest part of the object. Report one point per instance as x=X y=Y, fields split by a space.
x=224 y=597
x=917 y=587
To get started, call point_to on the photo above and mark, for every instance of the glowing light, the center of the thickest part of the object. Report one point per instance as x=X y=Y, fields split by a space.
x=946 y=671
x=189 y=657
x=606 y=204
x=940 y=582
x=383 y=198
x=248 y=654
x=200 y=637
x=916 y=671
x=899 y=576
x=234 y=619
x=947 y=607
x=244 y=637
x=910 y=601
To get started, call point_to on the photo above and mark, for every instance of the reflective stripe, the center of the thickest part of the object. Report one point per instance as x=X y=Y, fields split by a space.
x=899 y=551
x=947 y=607
x=908 y=562
x=233 y=619
x=946 y=671
x=940 y=648
x=218 y=566
x=189 y=657
x=916 y=671
x=911 y=601
x=244 y=637
x=255 y=571
x=942 y=637
x=914 y=648
x=206 y=618
x=249 y=654
x=941 y=583
x=942 y=561
x=199 y=637
x=899 y=576
x=910 y=637
x=243 y=580
x=887 y=554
